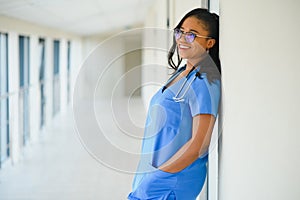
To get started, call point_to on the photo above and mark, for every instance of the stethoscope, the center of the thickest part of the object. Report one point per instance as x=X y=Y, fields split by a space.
x=178 y=98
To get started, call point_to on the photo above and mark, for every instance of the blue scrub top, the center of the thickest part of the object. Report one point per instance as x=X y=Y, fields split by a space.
x=169 y=123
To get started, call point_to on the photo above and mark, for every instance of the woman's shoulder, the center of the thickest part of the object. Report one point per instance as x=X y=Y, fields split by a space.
x=203 y=80
x=202 y=84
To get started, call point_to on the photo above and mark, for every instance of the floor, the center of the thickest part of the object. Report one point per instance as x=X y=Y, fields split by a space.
x=64 y=165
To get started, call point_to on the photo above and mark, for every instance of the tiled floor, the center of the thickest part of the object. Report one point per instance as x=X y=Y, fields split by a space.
x=58 y=167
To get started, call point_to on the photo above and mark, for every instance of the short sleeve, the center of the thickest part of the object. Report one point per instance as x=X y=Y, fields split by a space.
x=204 y=97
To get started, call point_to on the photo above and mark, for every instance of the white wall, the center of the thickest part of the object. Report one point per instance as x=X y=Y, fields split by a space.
x=34 y=90
x=260 y=147
x=63 y=71
x=102 y=67
x=154 y=60
x=107 y=59
x=132 y=64
x=48 y=85
x=75 y=63
x=13 y=100
x=179 y=8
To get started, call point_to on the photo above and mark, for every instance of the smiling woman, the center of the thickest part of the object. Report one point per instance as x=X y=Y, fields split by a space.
x=182 y=114
x=193 y=51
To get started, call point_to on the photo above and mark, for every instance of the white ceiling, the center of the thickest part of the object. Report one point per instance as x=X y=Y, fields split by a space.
x=83 y=17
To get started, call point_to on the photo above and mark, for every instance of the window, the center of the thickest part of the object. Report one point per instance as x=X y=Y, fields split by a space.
x=42 y=80
x=68 y=71
x=56 y=79
x=24 y=87
x=4 y=114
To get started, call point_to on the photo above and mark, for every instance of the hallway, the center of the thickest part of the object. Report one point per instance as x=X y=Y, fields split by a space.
x=57 y=166
x=52 y=51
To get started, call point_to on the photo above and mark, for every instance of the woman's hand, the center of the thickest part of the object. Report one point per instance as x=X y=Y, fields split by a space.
x=198 y=144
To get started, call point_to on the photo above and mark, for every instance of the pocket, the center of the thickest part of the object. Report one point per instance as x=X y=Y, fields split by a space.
x=162 y=173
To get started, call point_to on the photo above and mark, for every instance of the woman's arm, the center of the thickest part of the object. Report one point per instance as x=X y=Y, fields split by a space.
x=202 y=130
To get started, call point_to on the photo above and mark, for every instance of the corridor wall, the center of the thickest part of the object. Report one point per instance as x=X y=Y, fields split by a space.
x=15 y=28
x=259 y=157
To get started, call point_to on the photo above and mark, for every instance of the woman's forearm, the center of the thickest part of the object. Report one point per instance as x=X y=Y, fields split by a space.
x=195 y=147
x=185 y=156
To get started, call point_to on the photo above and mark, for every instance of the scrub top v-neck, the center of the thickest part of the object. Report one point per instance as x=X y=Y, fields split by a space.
x=168 y=127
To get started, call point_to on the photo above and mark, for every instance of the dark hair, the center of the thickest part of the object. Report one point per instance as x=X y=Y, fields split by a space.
x=211 y=24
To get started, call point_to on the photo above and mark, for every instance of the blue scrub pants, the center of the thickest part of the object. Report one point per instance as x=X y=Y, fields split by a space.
x=184 y=185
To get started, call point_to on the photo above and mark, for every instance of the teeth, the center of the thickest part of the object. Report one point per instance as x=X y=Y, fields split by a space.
x=183 y=47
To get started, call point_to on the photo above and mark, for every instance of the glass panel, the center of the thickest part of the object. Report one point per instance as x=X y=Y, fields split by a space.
x=56 y=79
x=4 y=115
x=24 y=87
x=42 y=79
x=69 y=74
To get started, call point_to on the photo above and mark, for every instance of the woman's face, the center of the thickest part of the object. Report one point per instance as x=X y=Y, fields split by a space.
x=193 y=51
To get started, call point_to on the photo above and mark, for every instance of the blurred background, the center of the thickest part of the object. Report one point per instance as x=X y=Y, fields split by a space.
x=45 y=44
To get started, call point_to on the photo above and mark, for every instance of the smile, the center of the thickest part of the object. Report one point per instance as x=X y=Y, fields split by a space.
x=183 y=47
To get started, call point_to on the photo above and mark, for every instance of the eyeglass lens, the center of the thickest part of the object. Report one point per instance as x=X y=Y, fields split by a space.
x=189 y=37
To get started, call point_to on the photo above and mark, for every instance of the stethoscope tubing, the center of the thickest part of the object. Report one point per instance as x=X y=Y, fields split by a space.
x=178 y=99
x=181 y=98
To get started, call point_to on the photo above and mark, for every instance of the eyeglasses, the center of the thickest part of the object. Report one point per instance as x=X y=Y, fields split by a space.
x=188 y=36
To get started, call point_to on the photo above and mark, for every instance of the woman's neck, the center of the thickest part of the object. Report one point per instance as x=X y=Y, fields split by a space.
x=194 y=62
x=190 y=65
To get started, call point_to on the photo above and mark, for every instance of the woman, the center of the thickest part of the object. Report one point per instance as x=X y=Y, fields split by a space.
x=182 y=115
